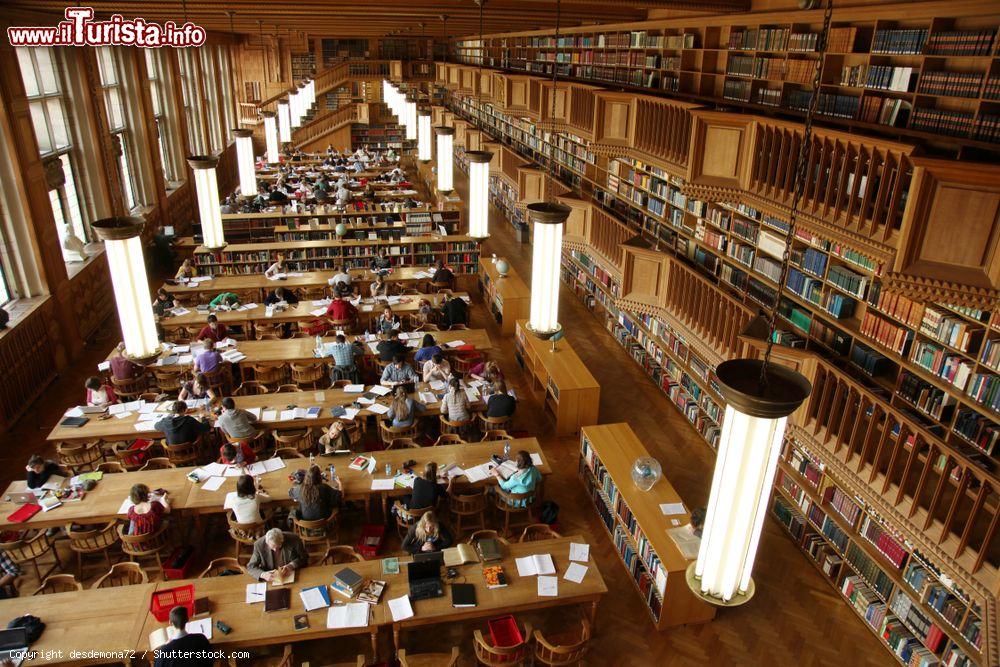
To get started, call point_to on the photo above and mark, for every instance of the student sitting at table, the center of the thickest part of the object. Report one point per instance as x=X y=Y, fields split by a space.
x=280 y=294
x=235 y=422
x=123 y=368
x=428 y=349
x=181 y=427
x=237 y=454
x=379 y=287
x=186 y=271
x=341 y=309
x=277 y=267
x=387 y=321
x=427 y=491
x=524 y=480
x=335 y=438
x=99 y=394
x=209 y=359
x=486 y=371
x=427 y=534
x=213 y=329
x=436 y=369
x=164 y=302
x=380 y=262
x=196 y=390
x=500 y=404
x=345 y=357
x=390 y=347
x=454 y=311
x=277 y=550
x=316 y=499
x=455 y=403
x=146 y=513
x=341 y=278
x=243 y=501
x=183 y=650
x=443 y=274
x=424 y=314
x=398 y=372
x=39 y=470
x=403 y=410
x=11 y=570
x=225 y=299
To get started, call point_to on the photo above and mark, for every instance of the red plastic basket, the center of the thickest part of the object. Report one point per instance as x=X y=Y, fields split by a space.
x=504 y=631
x=369 y=533
x=165 y=600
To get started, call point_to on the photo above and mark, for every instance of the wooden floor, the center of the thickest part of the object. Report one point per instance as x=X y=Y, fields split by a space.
x=796 y=618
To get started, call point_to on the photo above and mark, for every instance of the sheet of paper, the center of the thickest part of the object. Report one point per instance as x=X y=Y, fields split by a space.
x=319 y=312
x=672 y=508
x=373 y=347
x=312 y=599
x=144 y=426
x=380 y=390
x=575 y=573
x=104 y=366
x=354 y=389
x=273 y=463
x=438 y=385
x=383 y=484
x=125 y=506
x=256 y=468
x=477 y=473
x=536 y=458
x=256 y=592
x=350 y=413
x=427 y=397
x=472 y=394
x=117 y=409
x=548 y=586
x=122 y=415
x=233 y=471
x=580 y=552
x=351 y=615
x=255 y=412
x=364 y=400
x=269 y=416
x=215 y=468
x=201 y=626
x=74 y=412
x=287 y=415
x=455 y=343
x=378 y=408
x=371 y=465
x=544 y=564
x=213 y=483
x=401 y=608
x=147 y=408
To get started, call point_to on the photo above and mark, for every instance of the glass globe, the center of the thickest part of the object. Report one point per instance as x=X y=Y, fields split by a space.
x=645 y=472
x=340 y=229
x=503 y=267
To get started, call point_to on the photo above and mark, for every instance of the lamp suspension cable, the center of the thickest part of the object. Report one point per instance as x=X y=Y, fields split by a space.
x=552 y=113
x=444 y=17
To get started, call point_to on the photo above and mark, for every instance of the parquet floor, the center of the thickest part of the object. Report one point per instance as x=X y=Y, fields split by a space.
x=795 y=618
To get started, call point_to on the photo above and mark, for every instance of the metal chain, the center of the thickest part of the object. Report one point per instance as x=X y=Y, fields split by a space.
x=552 y=114
x=799 y=184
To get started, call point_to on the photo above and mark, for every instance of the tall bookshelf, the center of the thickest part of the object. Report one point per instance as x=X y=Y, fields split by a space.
x=637 y=527
x=380 y=137
x=360 y=228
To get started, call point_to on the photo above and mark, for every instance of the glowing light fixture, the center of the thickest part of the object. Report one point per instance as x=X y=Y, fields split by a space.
x=270 y=136
x=244 y=161
x=424 y=146
x=284 y=121
x=295 y=107
x=445 y=158
x=123 y=248
x=207 y=190
x=410 y=118
x=547 y=221
x=479 y=193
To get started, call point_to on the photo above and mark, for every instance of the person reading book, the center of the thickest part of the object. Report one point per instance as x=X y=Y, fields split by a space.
x=39 y=471
x=277 y=554
x=427 y=491
x=146 y=514
x=524 y=480
x=237 y=454
x=427 y=534
x=317 y=500
x=243 y=501
x=99 y=395
x=336 y=437
x=184 y=650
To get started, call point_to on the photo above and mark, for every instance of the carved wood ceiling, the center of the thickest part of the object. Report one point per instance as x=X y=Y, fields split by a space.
x=341 y=18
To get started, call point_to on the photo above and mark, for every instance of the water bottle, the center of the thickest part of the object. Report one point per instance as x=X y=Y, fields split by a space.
x=388 y=469
x=312 y=459
x=319 y=345
x=506 y=450
x=333 y=472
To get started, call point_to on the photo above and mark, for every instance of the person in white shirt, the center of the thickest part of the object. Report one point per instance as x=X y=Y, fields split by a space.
x=343 y=195
x=341 y=279
x=243 y=501
x=276 y=268
x=436 y=369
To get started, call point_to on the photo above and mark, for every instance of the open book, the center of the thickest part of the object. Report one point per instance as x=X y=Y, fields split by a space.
x=537 y=564
x=161 y=636
x=460 y=555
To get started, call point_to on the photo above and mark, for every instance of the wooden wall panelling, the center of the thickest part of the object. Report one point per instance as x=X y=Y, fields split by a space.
x=486 y=85
x=475 y=140
x=441 y=73
x=663 y=132
x=181 y=208
x=578 y=223
x=467 y=80
x=485 y=144
x=644 y=274
x=719 y=156
x=461 y=130
x=614 y=119
x=510 y=163
x=562 y=100
x=606 y=236
x=582 y=108
x=93 y=299
x=531 y=182
x=949 y=247
x=28 y=358
x=518 y=94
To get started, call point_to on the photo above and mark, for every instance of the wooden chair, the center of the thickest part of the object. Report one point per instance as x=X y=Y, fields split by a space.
x=288 y=453
x=79 y=456
x=251 y=388
x=122 y=574
x=220 y=380
x=111 y=467
x=168 y=382
x=220 y=565
x=441 y=287
x=407 y=517
x=185 y=453
x=58 y=583
x=268 y=374
x=151 y=397
x=468 y=508
x=515 y=507
x=402 y=443
x=286 y=388
x=129 y=390
x=133 y=459
x=449 y=439
x=339 y=384
x=493 y=425
x=258 y=444
x=538 y=531
x=320 y=532
x=463 y=363
x=502 y=656
x=245 y=534
x=459 y=428
x=341 y=554
x=158 y=463
x=487 y=534
x=150 y=545
x=389 y=433
x=267 y=330
x=458 y=326
x=555 y=655
x=31 y=548
x=428 y=659
x=300 y=440
x=309 y=375
x=86 y=540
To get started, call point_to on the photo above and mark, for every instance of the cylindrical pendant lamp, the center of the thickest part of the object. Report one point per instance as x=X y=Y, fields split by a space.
x=284 y=121
x=244 y=161
x=424 y=136
x=207 y=190
x=547 y=221
x=479 y=193
x=410 y=111
x=294 y=106
x=445 y=158
x=270 y=136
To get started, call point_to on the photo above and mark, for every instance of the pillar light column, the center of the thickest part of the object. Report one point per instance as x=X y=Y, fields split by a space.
x=410 y=113
x=753 y=429
x=207 y=190
x=425 y=150
x=547 y=222
x=445 y=158
x=123 y=248
x=284 y=121
x=244 y=161
x=479 y=193
x=294 y=102
x=305 y=104
x=270 y=136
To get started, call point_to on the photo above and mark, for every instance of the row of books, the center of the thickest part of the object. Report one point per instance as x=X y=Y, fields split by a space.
x=869 y=570
x=991 y=354
x=955 y=123
x=833 y=533
x=987 y=129
x=904 y=608
x=756 y=67
x=899 y=41
x=896 y=305
x=873 y=531
x=849 y=281
x=891 y=111
x=977 y=429
x=885 y=77
x=888 y=334
x=949 y=329
x=925 y=397
x=830 y=104
x=984 y=388
x=961 y=43
x=949 y=366
x=954 y=84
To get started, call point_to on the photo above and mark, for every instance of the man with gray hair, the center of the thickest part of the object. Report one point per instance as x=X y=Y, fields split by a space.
x=276 y=552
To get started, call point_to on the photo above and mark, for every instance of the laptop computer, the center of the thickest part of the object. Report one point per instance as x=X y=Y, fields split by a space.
x=425 y=578
x=21 y=497
x=13 y=644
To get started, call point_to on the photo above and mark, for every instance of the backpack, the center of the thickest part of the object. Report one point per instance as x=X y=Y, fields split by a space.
x=549 y=513
x=33 y=627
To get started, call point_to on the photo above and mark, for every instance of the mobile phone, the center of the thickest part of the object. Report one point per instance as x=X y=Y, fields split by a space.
x=223 y=628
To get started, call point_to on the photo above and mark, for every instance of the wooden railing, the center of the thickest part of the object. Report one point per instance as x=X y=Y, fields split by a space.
x=248 y=114
x=329 y=121
x=333 y=77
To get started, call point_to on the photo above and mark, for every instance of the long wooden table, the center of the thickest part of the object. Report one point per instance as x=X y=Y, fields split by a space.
x=103 y=502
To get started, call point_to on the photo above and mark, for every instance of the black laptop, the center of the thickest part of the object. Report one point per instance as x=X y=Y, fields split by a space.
x=13 y=643
x=425 y=576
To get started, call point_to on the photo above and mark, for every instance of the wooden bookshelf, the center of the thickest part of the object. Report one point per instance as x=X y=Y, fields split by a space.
x=572 y=395
x=460 y=252
x=636 y=525
x=378 y=136
x=508 y=298
x=267 y=225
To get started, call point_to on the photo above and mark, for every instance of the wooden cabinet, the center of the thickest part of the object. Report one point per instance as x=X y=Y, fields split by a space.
x=571 y=394
x=530 y=185
x=545 y=110
x=720 y=157
x=614 y=121
x=645 y=273
x=578 y=223
x=508 y=298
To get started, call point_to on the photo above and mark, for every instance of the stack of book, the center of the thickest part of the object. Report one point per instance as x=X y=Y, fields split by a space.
x=347 y=582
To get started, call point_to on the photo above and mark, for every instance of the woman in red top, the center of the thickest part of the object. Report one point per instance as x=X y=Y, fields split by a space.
x=341 y=309
x=146 y=514
x=237 y=454
x=214 y=330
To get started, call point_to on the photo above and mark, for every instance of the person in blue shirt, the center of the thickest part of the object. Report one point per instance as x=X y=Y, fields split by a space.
x=428 y=348
x=525 y=480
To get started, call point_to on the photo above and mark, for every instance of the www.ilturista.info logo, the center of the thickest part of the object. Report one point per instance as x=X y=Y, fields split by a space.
x=79 y=29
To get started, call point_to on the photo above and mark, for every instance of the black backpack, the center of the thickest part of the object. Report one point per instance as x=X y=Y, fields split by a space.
x=549 y=513
x=33 y=627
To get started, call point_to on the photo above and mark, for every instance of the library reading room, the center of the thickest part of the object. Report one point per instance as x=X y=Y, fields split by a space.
x=634 y=333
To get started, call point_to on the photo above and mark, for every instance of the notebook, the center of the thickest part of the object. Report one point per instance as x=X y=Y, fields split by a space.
x=74 y=422
x=24 y=512
x=489 y=550
x=316 y=597
x=277 y=599
x=463 y=595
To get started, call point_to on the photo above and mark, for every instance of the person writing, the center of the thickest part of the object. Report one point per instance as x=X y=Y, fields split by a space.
x=237 y=454
x=214 y=330
x=380 y=262
x=387 y=321
x=427 y=534
x=244 y=501
x=123 y=368
x=398 y=372
x=281 y=295
x=524 y=480
x=455 y=404
x=146 y=513
x=428 y=349
x=186 y=271
x=500 y=404
x=277 y=552
x=209 y=360
x=425 y=312
x=238 y=424
x=316 y=499
x=164 y=302
x=341 y=310
x=391 y=347
x=344 y=358
x=184 y=650
x=196 y=390
x=180 y=427
x=437 y=369
x=335 y=438
x=39 y=470
x=379 y=287
x=225 y=300
x=486 y=371
x=277 y=268
x=99 y=395
x=427 y=491
x=403 y=409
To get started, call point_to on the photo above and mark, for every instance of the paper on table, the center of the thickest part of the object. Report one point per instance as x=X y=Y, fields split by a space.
x=312 y=599
x=472 y=394
x=383 y=484
x=536 y=458
x=104 y=366
x=273 y=463
x=427 y=397
x=379 y=390
x=126 y=504
x=256 y=468
x=575 y=573
x=477 y=473
x=350 y=413
x=269 y=416
x=256 y=592
x=354 y=389
x=287 y=415
x=213 y=483
x=455 y=343
x=147 y=408
x=215 y=468
x=580 y=552
x=378 y=408
x=401 y=608
x=233 y=471
x=529 y=566
x=122 y=415
x=319 y=312
x=437 y=385
x=672 y=508
x=145 y=426
x=351 y=615
x=255 y=412
x=74 y=412
x=116 y=409
x=548 y=586
x=364 y=400
x=201 y=626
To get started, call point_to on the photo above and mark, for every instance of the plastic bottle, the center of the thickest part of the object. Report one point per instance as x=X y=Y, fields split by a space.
x=319 y=345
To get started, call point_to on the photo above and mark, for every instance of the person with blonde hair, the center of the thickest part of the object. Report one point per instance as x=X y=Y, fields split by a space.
x=486 y=371
x=455 y=404
x=403 y=409
x=186 y=271
x=427 y=534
